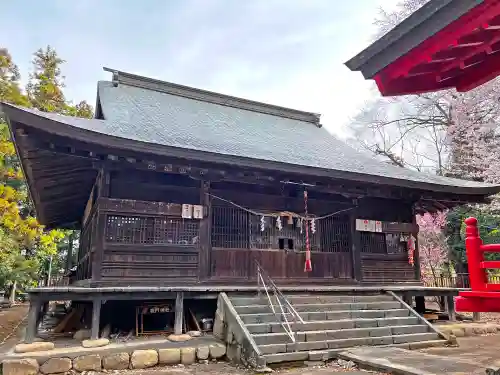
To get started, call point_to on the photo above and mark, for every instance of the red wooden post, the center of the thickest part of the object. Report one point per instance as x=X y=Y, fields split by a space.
x=473 y=243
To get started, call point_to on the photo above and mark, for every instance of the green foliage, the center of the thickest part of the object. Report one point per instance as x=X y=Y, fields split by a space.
x=25 y=245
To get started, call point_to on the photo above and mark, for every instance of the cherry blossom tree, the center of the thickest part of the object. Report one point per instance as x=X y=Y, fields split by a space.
x=432 y=245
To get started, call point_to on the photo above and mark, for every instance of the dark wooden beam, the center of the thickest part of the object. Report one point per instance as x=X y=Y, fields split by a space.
x=357 y=271
x=205 y=232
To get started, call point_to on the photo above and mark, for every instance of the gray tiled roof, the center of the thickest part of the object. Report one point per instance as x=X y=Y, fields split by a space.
x=175 y=121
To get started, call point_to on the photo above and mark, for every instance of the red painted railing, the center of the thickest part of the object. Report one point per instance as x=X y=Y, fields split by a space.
x=484 y=296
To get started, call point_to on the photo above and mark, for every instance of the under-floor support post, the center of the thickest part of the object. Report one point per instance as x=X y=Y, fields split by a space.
x=476 y=317
x=179 y=313
x=420 y=304
x=450 y=307
x=32 y=324
x=96 y=318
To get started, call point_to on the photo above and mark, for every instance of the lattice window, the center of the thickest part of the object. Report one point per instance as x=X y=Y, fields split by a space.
x=290 y=237
x=373 y=243
x=230 y=228
x=335 y=234
x=151 y=230
x=175 y=231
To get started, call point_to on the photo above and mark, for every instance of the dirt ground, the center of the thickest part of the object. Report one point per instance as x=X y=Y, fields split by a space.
x=11 y=322
x=481 y=349
x=221 y=368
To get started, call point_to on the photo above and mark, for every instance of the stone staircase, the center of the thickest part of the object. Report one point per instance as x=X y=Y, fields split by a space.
x=331 y=323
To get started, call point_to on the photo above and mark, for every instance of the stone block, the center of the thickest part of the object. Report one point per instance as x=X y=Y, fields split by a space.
x=24 y=366
x=490 y=328
x=143 y=359
x=469 y=331
x=217 y=351
x=194 y=333
x=95 y=343
x=82 y=334
x=202 y=352
x=171 y=356
x=458 y=332
x=34 y=347
x=318 y=355
x=188 y=356
x=479 y=330
x=56 y=366
x=118 y=361
x=179 y=338
x=90 y=362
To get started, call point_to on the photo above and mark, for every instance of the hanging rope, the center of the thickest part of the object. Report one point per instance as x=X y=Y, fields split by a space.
x=307 y=265
x=278 y=214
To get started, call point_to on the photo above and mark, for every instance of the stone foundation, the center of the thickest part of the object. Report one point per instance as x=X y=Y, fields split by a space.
x=117 y=361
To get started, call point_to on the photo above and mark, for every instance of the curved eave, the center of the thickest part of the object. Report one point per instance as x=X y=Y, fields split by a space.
x=445 y=44
x=64 y=130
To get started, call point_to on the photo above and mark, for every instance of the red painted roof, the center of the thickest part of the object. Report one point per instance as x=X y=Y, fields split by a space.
x=463 y=54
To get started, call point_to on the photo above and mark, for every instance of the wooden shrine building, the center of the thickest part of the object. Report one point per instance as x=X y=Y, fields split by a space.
x=172 y=185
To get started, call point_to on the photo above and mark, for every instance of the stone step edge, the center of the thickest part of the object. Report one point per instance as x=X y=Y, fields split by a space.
x=327 y=312
x=284 y=334
x=250 y=325
x=299 y=305
x=333 y=353
x=361 y=338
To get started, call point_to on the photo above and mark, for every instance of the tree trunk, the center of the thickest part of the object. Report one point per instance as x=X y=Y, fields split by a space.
x=12 y=296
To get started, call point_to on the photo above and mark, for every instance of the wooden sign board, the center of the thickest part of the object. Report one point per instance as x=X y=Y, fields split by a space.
x=187 y=211
x=364 y=225
x=197 y=212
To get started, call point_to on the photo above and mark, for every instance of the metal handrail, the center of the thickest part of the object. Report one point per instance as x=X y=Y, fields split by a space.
x=281 y=300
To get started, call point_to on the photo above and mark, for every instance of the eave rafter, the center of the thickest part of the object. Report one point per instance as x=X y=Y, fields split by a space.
x=463 y=55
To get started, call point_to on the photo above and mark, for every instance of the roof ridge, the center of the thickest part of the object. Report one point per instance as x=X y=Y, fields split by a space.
x=211 y=97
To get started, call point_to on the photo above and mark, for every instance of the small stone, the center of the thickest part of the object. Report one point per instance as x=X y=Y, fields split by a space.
x=264 y=370
x=194 y=333
x=452 y=340
x=82 y=334
x=348 y=365
x=25 y=366
x=204 y=362
x=56 y=366
x=91 y=362
x=202 y=352
x=217 y=351
x=95 y=343
x=34 y=347
x=143 y=359
x=118 y=361
x=188 y=356
x=458 y=332
x=179 y=338
x=169 y=356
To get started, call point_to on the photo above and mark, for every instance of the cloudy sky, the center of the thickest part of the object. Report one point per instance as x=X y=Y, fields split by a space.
x=284 y=52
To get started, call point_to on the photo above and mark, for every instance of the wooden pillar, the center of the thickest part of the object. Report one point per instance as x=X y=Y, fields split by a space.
x=32 y=323
x=450 y=308
x=97 y=245
x=179 y=313
x=357 y=271
x=96 y=318
x=420 y=304
x=476 y=317
x=205 y=245
x=416 y=256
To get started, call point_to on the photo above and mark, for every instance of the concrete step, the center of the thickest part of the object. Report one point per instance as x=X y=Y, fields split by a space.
x=332 y=324
x=325 y=335
x=347 y=343
x=304 y=355
x=310 y=307
x=314 y=298
x=269 y=317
